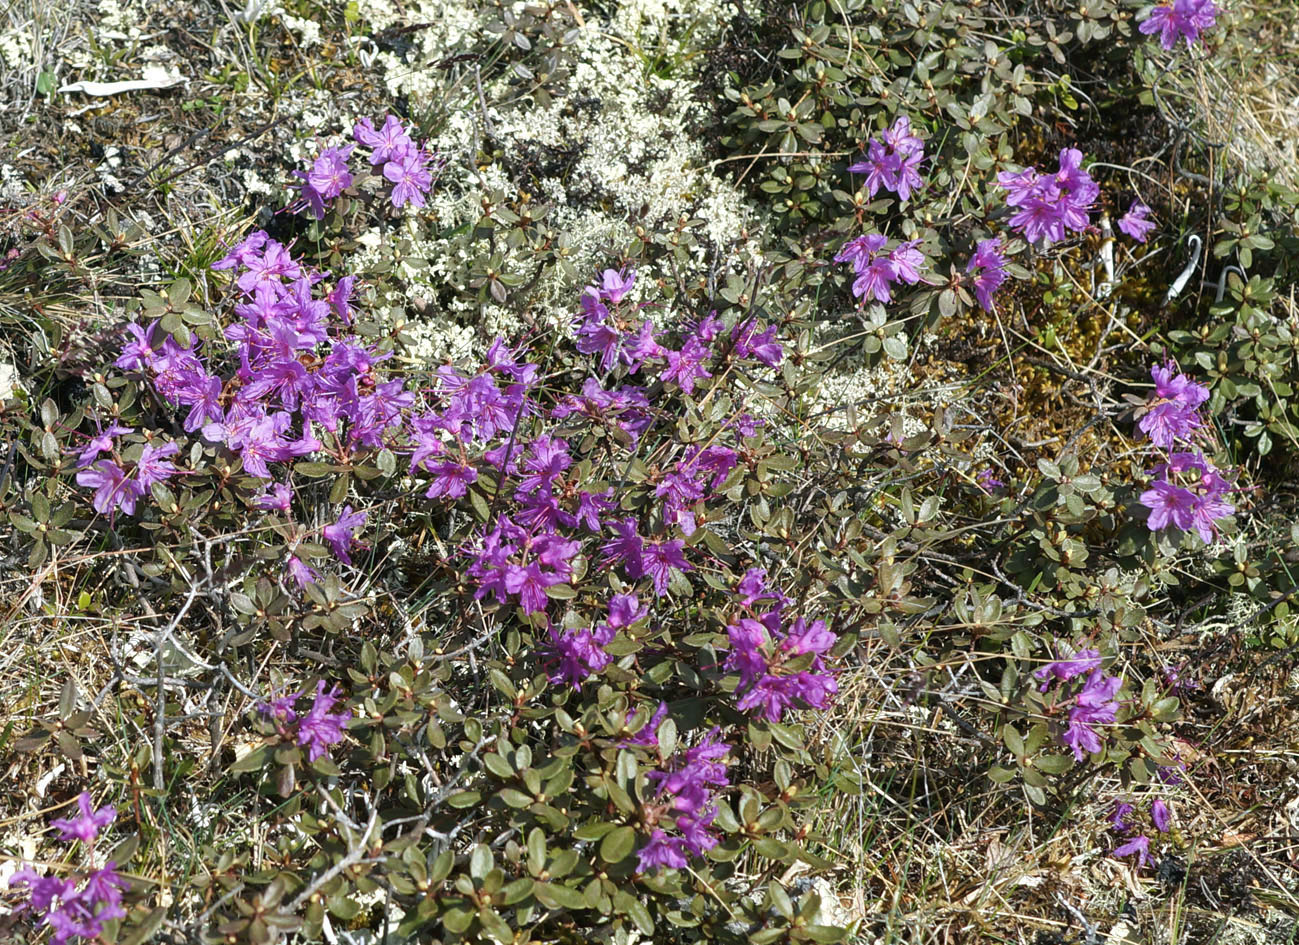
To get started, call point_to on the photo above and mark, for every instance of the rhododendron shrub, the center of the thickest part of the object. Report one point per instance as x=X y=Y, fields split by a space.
x=594 y=629
x=583 y=493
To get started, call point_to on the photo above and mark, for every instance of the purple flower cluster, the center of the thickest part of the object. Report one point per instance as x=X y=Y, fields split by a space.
x=409 y=168
x=317 y=728
x=1173 y=412
x=291 y=370
x=877 y=271
x=1093 y=705
x=1138 y=843
x=991 y=270
x=72 y=909
x=1188 y=492
x=779 y=668
x=329 y=176
x=1180 y=19
x=892 y=162
x=686 y=785
x=581 y=653
x=531 y=544
x=1050 y=205
x=119 y=483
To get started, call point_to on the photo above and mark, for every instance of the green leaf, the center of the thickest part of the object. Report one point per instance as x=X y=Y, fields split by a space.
x=617 y=844
x=556 y=896
x=518 y=890
x=826 y=933
x=640 y=914
x=464 y=799
x=255 y=760
x=498 y=766
x=315 y=470
x=481 y=861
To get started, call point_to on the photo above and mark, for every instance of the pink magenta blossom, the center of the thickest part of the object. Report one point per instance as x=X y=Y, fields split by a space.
x=1180 y=19
x=87 y=826
x=892 y=161
x=1134 y=222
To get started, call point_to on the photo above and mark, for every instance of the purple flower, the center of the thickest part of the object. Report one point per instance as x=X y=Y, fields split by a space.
x=1099 y=691
x=1166 y=423
x=863 y=248
x=340 y=298
x=988 y=482
x=627 y=549
x=319 y=728
x=269 y=269
x=339 y=534
x=874 y=280
x=410 y=177
x=772 y=695
x=301 y=572
x=1050 y=205
x=86 y=827
x=1169 y=504
x=687 y=365
x=1185 y=19
x=387 y=143
x=991 y=264
x=1084 y=661
x=1177 y=387
x=625 y=610
x=762 y=347
x=661 y=850
x=891 y=163
x=202 y=392
x=616 y=283
x=259 y=439
x=1139 y=845
x=281 y=709
x=876 y=270
x=1160 y=815
x=102 y=442
x=1134 y=222
x=590 y=505
x=1176 y=682
x=103 y=888
x=765 y=683
x=1095 y=706
x=451 y=479
x=660 y=559
x=152 y=466
x=138 y=352
x=529 y=583
x=1080 y=737
x=1170 y=774
x=907 y=261
x=808 y=638
x=581 y=653
x=1119 y=816
x=278 y=497
x=327 y=178
x=752 y=586
x=113 y=490
x=70 y=912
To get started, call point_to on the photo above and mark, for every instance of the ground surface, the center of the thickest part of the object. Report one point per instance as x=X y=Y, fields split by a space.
x=617 y=138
